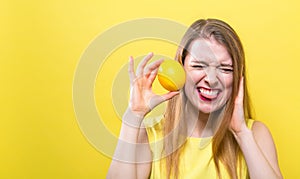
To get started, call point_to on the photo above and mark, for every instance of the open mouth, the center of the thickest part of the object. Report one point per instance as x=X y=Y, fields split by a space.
x=207 y=94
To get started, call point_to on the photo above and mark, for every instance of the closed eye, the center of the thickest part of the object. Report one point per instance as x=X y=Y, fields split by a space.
x=199 y=66
x=226 y=69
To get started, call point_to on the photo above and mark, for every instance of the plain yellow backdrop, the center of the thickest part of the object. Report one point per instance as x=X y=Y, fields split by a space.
x=41 y=43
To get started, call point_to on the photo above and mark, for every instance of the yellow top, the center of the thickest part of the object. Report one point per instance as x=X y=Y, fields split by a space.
x=195 y=161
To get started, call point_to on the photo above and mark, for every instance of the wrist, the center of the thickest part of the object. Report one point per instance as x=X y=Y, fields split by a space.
x=138 y=111
x=133 y=118
x=243 y=135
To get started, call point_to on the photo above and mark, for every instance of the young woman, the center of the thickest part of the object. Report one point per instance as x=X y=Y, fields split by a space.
x=207 y=130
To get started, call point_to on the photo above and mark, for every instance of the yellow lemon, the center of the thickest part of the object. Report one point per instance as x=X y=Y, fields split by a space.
x=171 y=75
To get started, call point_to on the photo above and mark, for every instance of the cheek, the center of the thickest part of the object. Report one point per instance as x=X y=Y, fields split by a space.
x=193 y=77
x=228 y=85
x=191 y=81
x=229 y=82
x=189 y=85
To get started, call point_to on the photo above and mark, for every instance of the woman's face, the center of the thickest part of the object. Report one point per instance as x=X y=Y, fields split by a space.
x=209 y=71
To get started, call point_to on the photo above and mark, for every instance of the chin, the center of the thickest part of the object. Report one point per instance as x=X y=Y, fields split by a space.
x=206 y=110
x=209 y=108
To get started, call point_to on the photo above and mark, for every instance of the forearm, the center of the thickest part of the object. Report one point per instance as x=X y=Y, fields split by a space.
x=124 y=164
x=258 y=166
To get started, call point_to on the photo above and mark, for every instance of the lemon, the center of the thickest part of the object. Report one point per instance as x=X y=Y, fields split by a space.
x=171 y=75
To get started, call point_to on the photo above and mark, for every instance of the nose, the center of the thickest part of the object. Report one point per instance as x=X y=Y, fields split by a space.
x=211 y=77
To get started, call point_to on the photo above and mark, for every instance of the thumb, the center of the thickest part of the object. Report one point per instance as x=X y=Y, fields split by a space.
x=156 y=100
x=170 y=94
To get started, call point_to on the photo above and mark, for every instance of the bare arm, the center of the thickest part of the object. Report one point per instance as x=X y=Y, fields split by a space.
x=259 y=151
x=132 y=157
x=257 y=144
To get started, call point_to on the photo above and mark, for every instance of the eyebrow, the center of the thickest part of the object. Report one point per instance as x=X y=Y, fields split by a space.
x=204 y=62
x=199 y=61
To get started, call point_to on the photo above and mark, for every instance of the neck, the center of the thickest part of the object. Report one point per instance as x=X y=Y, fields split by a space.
x=200 y=124
x=196 y=120
x=201 y=128
x=206 y=124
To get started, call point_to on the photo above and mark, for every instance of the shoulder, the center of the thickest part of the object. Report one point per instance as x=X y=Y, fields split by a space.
x=260 y=130
x=262 y=134
x=264 y=139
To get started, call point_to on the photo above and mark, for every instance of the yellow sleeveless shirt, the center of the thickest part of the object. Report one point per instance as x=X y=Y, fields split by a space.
x=195 y=161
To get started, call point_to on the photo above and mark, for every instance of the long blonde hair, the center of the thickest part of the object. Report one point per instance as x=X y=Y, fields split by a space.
x=224 y=146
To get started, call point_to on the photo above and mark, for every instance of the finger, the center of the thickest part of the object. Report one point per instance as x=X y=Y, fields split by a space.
x=152 y=77
x=170 y=95
x=142 y=64
x=240 y=96
x=131 y=69
x=152 y=66
x=157 y=99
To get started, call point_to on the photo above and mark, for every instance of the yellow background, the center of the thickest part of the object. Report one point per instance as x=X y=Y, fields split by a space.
x=41 y=43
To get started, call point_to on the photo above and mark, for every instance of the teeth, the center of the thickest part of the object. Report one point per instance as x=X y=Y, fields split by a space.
x=209 y=92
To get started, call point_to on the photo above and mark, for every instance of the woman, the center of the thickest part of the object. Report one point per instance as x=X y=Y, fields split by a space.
x=207 y=130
